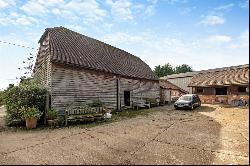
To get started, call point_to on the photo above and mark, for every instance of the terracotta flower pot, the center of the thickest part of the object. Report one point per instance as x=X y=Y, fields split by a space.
x=31 y=123
x=50 y=122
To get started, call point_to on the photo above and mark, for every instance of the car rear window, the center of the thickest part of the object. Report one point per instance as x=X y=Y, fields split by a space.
x=187 y=98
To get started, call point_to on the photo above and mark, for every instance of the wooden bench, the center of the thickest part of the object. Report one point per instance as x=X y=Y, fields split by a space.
x=140 y=104
x=83 y=112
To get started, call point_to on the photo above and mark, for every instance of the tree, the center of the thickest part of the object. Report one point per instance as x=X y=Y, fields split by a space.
x=183 y=68
x=28 y=68
x=168 y=69
x=164 y=70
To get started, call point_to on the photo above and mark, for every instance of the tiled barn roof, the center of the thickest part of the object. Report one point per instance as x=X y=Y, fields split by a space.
x=71 y=48
x=235 y=75
x=168 y=85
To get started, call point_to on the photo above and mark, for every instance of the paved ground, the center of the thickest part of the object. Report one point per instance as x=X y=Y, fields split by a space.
x=209 y=135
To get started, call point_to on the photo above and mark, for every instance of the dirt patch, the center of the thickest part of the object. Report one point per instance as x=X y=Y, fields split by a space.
x=208 y=135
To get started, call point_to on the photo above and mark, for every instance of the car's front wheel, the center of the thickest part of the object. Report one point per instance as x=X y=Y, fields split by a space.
x=192 y=107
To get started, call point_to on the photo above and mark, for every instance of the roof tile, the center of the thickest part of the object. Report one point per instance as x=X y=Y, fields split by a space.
x=236 y=75
x=69 y=47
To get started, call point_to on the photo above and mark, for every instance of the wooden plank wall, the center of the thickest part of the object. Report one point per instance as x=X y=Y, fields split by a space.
x=139 y=89
x=182 y=83
x=42 y=70
x=71 y=85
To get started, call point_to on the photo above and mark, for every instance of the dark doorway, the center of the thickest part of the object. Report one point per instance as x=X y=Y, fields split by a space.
x=221 y=91
x=127 y=98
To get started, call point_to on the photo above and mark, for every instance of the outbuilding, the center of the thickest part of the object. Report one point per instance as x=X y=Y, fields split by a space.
x=222 y=86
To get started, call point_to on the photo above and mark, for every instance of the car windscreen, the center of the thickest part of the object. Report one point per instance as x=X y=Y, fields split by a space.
x=186 y=98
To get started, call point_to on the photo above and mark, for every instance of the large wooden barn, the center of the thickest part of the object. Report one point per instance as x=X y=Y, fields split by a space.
x=77 y=68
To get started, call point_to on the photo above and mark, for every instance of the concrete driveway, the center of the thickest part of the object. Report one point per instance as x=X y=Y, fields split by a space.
x=208 y=135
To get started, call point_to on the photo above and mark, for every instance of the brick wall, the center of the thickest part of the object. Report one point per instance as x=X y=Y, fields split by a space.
x=226 y=99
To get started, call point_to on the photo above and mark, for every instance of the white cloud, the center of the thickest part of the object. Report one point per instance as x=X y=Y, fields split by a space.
x=121 y=9
x=153 y=1
x=171 y=1
x=219 y=39
x=187 y=10
x=199 y=53
x=33 y=7
x=212 y=20
x=121 y=38
x=56 y=11
x=90 y=9
x=225 y=7
x=150 y=10
x=244 y=4
x=85 y=10
x=51 y=2
x=243 y=41
x=24 y=20
x=16 y=19
x=244 y=38
x=6 y=3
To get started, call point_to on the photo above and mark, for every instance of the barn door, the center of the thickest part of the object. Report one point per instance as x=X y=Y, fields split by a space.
x=167 y=95
x=127 y=98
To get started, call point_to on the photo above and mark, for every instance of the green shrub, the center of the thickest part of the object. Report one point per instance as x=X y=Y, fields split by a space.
x=29 y=93
x=150 y=100
x=32 y=112
x=51 y=114
x=96 y=103
x=1 y=98
x=60 y=121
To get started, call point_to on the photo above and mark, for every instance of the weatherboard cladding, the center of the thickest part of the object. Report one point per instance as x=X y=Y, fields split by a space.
x=168 y=85
x=68 y=64
x=235 y=75
x=71 y=48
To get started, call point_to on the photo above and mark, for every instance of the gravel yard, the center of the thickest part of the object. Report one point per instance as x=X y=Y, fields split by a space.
x=208 y=135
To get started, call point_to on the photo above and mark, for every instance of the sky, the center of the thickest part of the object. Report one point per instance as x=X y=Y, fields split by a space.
x=204 y=34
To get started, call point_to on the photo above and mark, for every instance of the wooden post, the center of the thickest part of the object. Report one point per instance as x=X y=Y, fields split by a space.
x=118 y=100
x=46 y=105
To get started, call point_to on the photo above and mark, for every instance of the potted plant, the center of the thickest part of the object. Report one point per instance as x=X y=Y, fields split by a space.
x=51 y=116
x=31 y=114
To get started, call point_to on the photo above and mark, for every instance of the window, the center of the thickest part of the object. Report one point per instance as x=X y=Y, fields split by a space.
x=199 y=90
x=186 y=98
x=221 y=91
x=242 y=89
